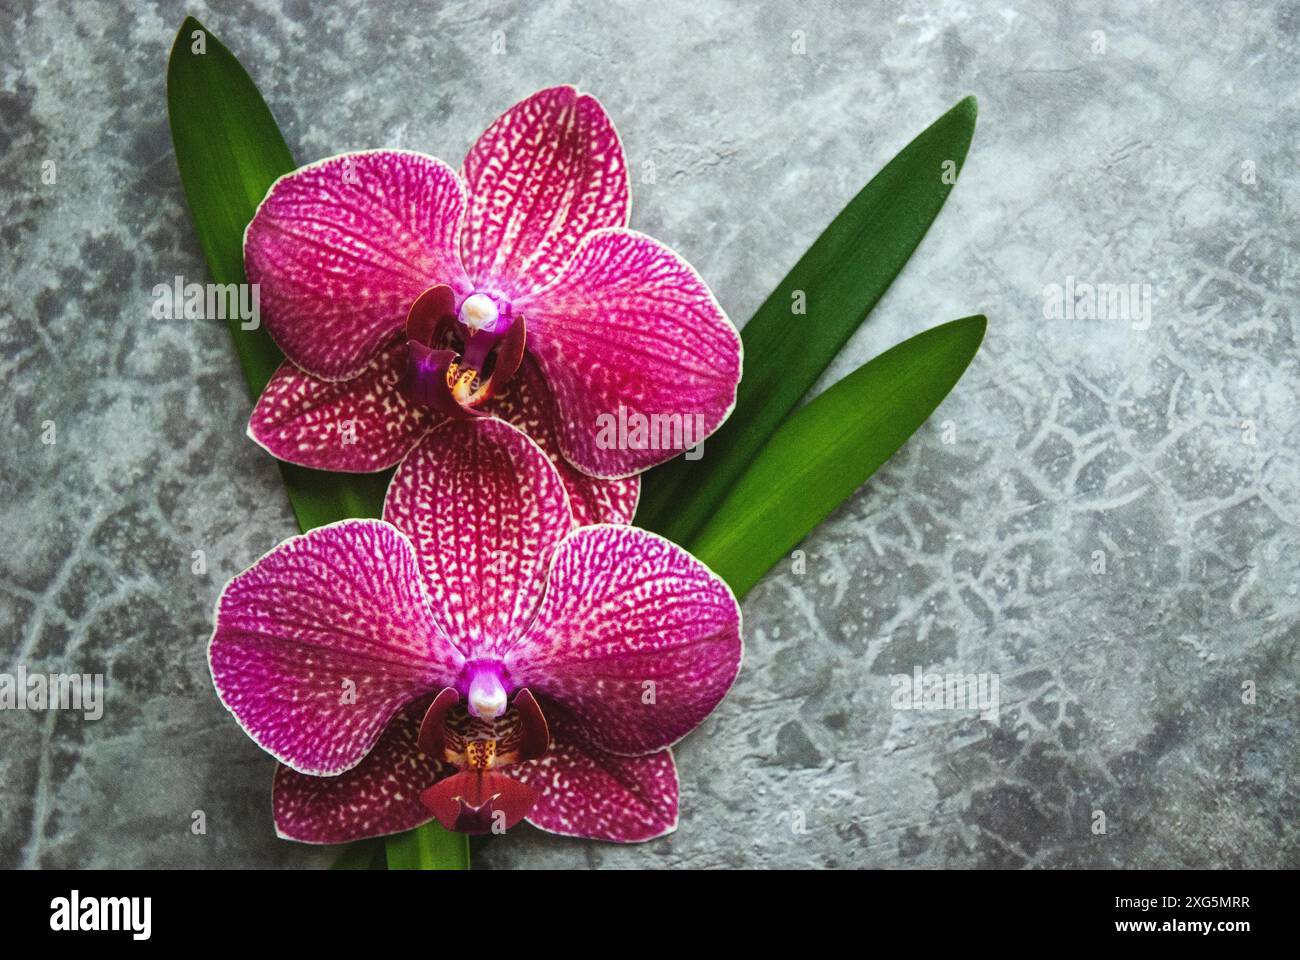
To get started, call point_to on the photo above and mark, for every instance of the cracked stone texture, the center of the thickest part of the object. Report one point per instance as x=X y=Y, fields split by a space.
x=974 y=550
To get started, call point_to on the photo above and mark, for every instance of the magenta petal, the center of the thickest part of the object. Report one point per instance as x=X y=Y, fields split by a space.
x=527 y=403
x=637 y=638
x=350 y=426
x=340 y=249
x=546 y=173
x=379 y=796
x=584 y=792
x=484 y=508
x=323 y=640
x=630 y=330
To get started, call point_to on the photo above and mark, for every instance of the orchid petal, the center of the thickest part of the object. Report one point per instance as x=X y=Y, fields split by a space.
x=323 y=640
x=637 y=638
x=353 y=426
x=630 y=330
x=484 y=508
x=547 y=172
x=341 y=248
x=379 y=796
x=527 y=403
x=584 y=792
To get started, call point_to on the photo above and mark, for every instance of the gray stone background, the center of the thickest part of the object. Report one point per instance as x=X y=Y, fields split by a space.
x=1121 y=692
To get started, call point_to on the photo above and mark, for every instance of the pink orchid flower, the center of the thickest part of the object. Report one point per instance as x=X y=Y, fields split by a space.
x=475 y=657
x=404 y=294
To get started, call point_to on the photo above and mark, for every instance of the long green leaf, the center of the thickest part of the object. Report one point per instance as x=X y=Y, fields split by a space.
x=822 y=453
x=837 y=281
x=229 y=151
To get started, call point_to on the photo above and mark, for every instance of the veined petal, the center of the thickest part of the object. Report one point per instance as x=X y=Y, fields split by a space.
x=350 y=426
x=323 y=640
x=341 y=248
x=379 y=796
x=484 y=508
x=546 y=173
x=527 y=403
x=641 y=358
x=584 y=792
x=635 y=637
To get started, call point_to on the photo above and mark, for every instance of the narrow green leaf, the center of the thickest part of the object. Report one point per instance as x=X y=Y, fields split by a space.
x=229 y=152
x=823 y=452
x=428 y=848
x=841 y=278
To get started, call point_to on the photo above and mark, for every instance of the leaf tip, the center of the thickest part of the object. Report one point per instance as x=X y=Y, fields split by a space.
x=180 y=45
x=974 y=327
x=974 y=321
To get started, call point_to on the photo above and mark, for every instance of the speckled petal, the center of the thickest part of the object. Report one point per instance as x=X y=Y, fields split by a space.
x=350 y=426
x=637 y=638
x=527 y=403
x=379 y=796
x=546 y=173
x=484 y=508
x=340 y=249
x=584 y=792
x=323 y=640
x=630 y=331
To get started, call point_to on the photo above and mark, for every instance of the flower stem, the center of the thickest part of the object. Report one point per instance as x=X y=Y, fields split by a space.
x=429 y=847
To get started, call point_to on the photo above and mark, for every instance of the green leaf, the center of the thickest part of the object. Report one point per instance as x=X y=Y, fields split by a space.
x=841 y=277
x=428 y=848
x=229 y=151
x=827 y=449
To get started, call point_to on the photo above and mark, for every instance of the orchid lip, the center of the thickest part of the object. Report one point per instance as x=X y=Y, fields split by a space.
x=478 y=798
x=479 y=801
x=519 y=732
x=461 y=350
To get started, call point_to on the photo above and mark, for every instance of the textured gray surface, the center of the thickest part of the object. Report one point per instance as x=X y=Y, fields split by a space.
x=1120 y=692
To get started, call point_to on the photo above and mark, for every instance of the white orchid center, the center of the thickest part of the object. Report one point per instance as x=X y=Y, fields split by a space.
x=478 y=312
x=487 y=697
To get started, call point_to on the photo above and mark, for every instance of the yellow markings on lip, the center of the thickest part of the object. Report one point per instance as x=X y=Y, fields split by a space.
x=480 y=754
x=461 y=382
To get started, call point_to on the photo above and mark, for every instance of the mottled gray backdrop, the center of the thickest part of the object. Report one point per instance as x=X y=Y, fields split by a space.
x=1161 y=151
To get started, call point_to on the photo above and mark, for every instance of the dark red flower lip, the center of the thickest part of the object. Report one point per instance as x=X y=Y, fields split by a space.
x=479 y=801
x=479 y=798
x=455 y=383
